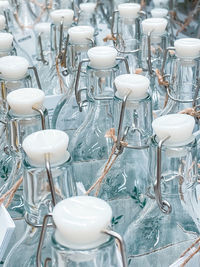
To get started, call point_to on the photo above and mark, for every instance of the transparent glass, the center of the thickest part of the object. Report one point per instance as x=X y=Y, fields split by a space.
x=106 y=254
x=24 y=251
x=183 y=82
x=36 y=192
x=127 y=184
x=152 y=238
x=67 y=116
x=17 y=128
x=158 y=43
x=89 y=147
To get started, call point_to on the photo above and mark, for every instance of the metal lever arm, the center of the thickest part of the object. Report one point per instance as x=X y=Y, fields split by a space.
x=125 y=62
x=41 y=241
x=36 y=76
x=121 y=245
x=164 y=206
x=77 y=92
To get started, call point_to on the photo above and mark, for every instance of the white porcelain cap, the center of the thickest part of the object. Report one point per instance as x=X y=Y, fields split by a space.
x=2 y=22
x=13 y=67
x=102 y=57
x=159 y=3
x=52 y=142
x=154 y=25
x=80 y=220
x=6 y=40
x=129 y=10
x=65 y=14
x=43 y=28
x=22 y=100
x=137 y=84
x=87 y=7
x=178 y=126
x=159 y=12
x=4 y=5
x=80 y=34
x=187 y=47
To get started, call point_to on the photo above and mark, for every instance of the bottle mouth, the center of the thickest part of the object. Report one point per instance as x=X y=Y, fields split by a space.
x=65 y=15
x=133 y=85
x=46 y=144
x=102 y=57
x=22 y=101
x=187 y=48
x=155 y=26
x=80 y=221
x=177 y=128
x=129 y=10
x=81 y=34
x=13 y=67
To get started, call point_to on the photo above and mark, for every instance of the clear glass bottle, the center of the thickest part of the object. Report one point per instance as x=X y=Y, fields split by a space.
x=62 y=20
x=183 y=89
x=168 y=227
x=26 y=115
x=47 y=179
x=83 y=242
x=15 y=74
x=66 y=116
x=89 y=147
x=126 y=30
x=127 y=184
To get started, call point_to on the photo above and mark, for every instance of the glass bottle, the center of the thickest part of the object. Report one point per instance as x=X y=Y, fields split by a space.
x=127 y=184
x=154 y=42
x=15 y=74
x=126 y=30
x=89 y=147
x=61 y=21
x=168 y=227
x=66 y=116
x=26 y=115
x=47 y=179
x=80 y=241
x=183 y=89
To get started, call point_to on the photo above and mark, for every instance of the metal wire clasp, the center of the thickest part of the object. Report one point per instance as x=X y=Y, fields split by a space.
x=120 y=243
x=164 y=206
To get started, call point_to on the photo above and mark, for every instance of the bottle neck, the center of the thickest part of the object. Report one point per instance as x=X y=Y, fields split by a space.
x=103 y=255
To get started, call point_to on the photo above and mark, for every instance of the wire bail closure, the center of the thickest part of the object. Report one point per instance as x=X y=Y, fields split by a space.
x=109 y=232
x=163 y=205
x=78 y=92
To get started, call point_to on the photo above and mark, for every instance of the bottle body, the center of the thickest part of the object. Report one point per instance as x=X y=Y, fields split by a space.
x=159 y=234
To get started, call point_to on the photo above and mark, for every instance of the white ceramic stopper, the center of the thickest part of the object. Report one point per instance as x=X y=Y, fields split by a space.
x=52 y=142
x=160 y=3
x=2 y=22
x=178 y=126
x=62 y=14
x=154 y=25
x=129 y=10
x=80 y=220
x=134 y=83
x=6 y=40
x=187 y=47
x=159 y=12
x=13 y=67
x=22 y=100
x=80 y=34
x=43 y=28
x=4 y=5
x=102 y=57
x=88 y=7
